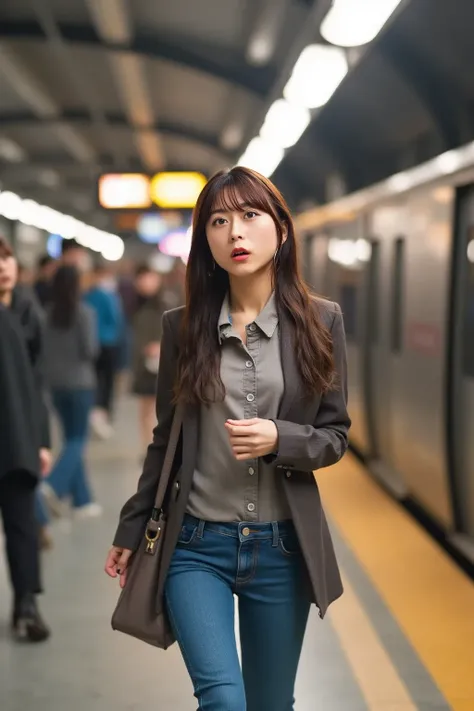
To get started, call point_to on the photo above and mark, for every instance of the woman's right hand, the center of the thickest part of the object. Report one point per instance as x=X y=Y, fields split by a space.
x=117 y=563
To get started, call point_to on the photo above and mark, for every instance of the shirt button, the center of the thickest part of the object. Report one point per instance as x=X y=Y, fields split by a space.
x=251 y=471
x=252 y=327
x=248 y=363
x=245 y=531
x=250 y=397
x=251 y=507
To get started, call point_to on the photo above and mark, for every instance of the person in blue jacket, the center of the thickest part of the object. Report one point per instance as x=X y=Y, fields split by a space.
x=103 y=297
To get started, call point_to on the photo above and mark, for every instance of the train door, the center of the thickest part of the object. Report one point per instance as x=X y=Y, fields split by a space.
x=346 y=283
x=387 y=316
x=418 y=362
x=461 y=391
x=371 y=343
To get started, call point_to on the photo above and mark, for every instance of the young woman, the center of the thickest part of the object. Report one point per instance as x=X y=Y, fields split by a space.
x=70 y=351
x=260 y=364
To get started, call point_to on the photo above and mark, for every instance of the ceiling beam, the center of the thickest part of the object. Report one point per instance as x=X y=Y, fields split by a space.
x=113 y=23
x=66 y=64
x=18 y=119
x=40 y=101
x=228 y=66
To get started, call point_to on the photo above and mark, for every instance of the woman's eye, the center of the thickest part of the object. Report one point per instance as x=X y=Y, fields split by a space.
x=219 y=221
x=251 y=213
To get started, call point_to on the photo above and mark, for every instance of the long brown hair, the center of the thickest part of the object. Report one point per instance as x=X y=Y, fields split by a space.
x=199 y=378
x=65 y=297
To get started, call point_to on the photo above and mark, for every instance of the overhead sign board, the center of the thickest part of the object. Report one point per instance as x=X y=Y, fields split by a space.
x=178 y=190
x=124 y=190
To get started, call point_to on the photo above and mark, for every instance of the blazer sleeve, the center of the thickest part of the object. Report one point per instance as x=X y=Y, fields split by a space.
x=310 y=447
x=137 y=510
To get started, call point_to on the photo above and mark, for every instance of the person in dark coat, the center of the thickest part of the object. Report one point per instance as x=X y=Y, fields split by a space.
x=24 y=445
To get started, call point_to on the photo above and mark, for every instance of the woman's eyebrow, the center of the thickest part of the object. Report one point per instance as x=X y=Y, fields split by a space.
x=241 y=206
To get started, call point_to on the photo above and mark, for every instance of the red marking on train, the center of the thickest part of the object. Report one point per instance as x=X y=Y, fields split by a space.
x=424 y=338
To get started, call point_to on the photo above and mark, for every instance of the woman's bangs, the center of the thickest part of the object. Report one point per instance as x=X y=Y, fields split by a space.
x=242 y=190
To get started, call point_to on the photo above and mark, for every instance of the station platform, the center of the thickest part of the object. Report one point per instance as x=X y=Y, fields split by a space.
x=400 y=639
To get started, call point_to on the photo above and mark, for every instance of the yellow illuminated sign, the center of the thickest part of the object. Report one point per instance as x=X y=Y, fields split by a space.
x=124 y=190
x=176 y=190
x=136 y=191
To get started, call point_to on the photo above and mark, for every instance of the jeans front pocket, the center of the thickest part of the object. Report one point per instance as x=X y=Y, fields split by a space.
x=187 y=535
x=289 y=544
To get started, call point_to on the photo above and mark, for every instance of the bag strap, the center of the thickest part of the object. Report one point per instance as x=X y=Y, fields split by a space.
x=169 y=456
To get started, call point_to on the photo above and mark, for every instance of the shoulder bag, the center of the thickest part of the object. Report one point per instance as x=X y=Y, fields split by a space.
x=138 y=612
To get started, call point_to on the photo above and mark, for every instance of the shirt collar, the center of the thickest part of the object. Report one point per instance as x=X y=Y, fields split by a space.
x=266 y=320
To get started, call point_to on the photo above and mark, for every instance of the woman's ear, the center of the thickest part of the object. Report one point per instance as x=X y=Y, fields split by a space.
x=284 y=232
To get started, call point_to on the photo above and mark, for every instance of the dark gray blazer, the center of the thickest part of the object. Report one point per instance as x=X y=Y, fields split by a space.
x=312 y=434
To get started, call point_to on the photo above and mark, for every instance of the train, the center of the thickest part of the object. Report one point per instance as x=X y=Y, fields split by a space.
x=398 y=257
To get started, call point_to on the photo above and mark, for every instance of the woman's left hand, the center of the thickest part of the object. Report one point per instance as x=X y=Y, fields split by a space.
x=253 y=438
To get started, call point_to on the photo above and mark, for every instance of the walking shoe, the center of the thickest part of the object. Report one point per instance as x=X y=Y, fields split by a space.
x=100 y=425
x=46 y=541
x=56 y=507
x=27 y=623
x=92 y=510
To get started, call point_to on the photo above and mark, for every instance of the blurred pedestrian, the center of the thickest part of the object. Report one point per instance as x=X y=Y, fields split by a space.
x=70 y=352
x=45 y=272
x=128 y=296
x=104 y=299
x=146 y=326
x=24 y=446
x=74 y=254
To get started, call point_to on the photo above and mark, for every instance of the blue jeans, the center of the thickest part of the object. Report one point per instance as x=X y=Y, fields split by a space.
x=262 y=564
x=41 y=512
x=68 y=477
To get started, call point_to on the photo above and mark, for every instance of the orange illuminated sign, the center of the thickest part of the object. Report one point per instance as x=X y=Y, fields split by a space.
x=124 y=190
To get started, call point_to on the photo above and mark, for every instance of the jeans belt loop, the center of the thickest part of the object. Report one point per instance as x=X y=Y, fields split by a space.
x=276 y=534
x=200 y=528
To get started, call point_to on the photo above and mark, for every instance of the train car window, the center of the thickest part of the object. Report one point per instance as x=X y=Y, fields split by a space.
x=397 y=295
x=373 y=292
x=468 y=329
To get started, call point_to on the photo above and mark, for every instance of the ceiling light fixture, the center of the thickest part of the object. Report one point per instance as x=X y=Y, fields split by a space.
x=285 y=123
x=316 y=76
x=350 y=23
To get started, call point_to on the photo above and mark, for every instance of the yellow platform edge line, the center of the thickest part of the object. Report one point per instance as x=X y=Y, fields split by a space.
x=429 y=596
x=376 y=675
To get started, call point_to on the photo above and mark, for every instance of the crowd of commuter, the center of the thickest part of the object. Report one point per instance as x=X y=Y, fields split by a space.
x=63 y=341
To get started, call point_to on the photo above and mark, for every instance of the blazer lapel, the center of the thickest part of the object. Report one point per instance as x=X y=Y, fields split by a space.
x=291 y=376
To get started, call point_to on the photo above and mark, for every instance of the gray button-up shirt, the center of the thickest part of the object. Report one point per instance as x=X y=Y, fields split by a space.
x=223 y=488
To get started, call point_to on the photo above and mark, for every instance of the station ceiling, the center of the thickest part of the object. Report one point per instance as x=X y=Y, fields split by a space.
x=91 y=86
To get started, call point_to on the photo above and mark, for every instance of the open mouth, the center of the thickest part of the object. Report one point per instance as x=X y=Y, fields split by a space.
x=239 y=253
